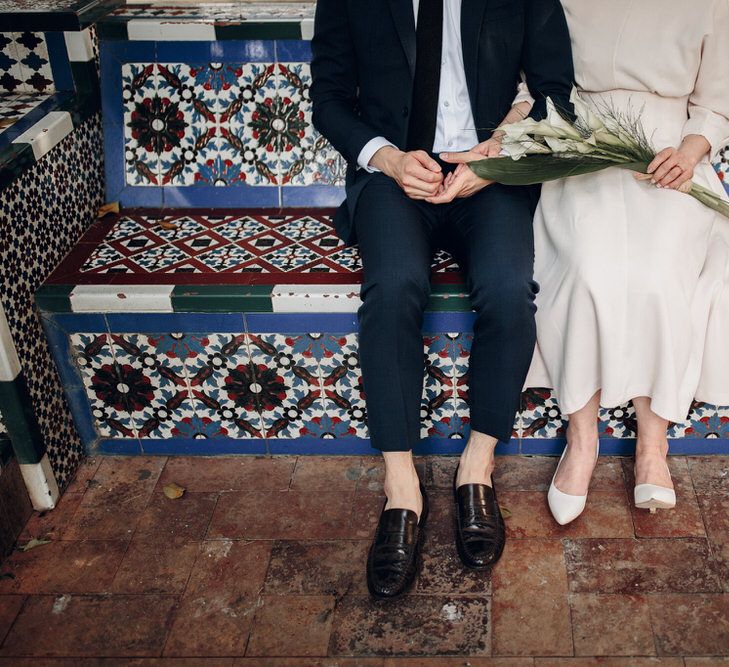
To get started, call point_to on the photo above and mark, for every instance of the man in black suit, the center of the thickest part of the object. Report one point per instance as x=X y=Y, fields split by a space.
x=395 y=84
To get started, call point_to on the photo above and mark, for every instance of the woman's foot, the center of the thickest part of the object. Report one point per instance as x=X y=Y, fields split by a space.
x=650 y=464
x=653 y=484
x=576 y=467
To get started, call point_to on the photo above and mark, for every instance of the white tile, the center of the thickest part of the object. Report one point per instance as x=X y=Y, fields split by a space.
x=143 y=29
x=79 y=45
x=47 y=132
x=315 y=298
x=122 y=298
x=9 y=362
x=307 y=29
x=41 y=484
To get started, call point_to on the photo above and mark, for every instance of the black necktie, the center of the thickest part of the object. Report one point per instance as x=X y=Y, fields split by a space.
x=426 y=85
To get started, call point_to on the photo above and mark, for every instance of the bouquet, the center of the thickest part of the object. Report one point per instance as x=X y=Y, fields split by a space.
x=546 y=150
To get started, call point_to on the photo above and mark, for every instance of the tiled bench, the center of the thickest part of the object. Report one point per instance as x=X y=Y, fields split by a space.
x=217 y=312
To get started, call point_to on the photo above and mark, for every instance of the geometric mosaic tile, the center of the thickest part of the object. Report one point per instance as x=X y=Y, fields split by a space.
x=42 y=215
x=24 y=63
x=184 y=245
x=14 y=106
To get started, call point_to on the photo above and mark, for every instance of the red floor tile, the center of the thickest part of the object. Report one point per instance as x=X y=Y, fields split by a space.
x=182 y=519
x=413 y=625
x=10 y=606
x=530 y=612
x=645 y=566
x=114 y=502
x=318 y=568
x=608 y=662
x=81 y=567
x=84 y=473
x=155 y=567
x=93 y=626
x=691 y=624
x=306 y=618
x=327 y=473
x=606 y=515
x=281 y=515
x=225 y=473
x=459 y=662
x=611 y=625
x=52 y=524
x=216 y=612
x=682 y=521
x=709 y=472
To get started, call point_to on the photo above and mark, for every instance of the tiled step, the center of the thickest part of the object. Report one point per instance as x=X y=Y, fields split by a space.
x=224 y=260
x=234 y=331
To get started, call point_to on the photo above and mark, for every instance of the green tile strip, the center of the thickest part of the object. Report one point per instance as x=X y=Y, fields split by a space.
x=259 y=30
x=222 y=298
x=449 y=298
x=54 y=298
x=20 y=420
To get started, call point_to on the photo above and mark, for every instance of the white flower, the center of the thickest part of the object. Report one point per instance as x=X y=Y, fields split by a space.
x=569 y=146
x=518 y=149
x=563 y=128
x=587 y=117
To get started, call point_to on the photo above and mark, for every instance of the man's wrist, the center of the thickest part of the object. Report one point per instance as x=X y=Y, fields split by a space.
x=384 y=158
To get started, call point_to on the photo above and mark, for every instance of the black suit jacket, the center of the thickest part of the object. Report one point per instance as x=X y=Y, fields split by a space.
x=364 y=62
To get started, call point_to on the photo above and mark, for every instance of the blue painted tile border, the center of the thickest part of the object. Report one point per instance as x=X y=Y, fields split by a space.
x=58 y=57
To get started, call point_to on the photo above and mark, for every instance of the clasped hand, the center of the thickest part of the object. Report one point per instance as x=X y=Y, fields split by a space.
x=421 y=177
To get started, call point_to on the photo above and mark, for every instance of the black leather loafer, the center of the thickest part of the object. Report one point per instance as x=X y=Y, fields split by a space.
x=395 y=552
x=480 y=533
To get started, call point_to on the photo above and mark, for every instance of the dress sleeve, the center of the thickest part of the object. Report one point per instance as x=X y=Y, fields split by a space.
x=709 y=101
x=523 y=95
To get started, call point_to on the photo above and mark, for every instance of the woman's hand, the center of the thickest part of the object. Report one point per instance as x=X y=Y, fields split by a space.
x=491 y=147
x=461 y=182
x=673 y=167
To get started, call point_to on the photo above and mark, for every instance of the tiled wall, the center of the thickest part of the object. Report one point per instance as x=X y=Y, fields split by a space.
x=24 y=63
x=42 y=214
x=237 y=131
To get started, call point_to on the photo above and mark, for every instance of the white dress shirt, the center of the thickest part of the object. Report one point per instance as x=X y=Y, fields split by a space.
x=455 y=128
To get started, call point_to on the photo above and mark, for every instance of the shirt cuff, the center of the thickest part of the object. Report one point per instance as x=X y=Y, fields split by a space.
x=369 y=149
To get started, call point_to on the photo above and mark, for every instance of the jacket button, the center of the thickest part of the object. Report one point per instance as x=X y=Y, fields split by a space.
x=405 y=111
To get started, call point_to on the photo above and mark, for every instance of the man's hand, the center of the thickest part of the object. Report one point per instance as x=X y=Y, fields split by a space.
x=418 y=174
x=462 y=182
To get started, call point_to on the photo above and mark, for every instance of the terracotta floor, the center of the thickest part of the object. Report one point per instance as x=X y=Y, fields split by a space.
x=262 y=560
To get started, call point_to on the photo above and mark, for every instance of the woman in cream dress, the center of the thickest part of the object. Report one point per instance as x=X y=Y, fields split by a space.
x=634 y=276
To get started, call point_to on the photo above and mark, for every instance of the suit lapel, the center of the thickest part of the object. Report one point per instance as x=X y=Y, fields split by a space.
x=402 y=14
x=471 y=21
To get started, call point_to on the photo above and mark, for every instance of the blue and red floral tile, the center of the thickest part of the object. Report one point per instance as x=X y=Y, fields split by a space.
x=295 y=387
x=184 y=129
x=251 y=386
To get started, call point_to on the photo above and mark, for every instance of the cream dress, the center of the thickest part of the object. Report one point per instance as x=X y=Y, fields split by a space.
x=634 y=296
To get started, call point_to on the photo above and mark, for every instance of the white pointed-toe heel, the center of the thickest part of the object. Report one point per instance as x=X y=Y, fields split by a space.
x=653 y=497
x=566 y=507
